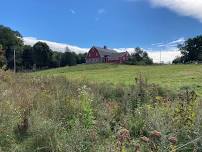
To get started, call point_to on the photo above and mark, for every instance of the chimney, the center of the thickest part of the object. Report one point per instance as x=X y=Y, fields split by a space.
x=105 y=47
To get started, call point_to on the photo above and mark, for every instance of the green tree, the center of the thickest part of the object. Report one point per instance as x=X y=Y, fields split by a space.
x=81 y=58
x=41 y=55
x=191 y=50
x=27 y=58
x=68 y=58
x=11 y=40
x=56 y=59
x=139 y=56
x=177 y=60
x=2 y=56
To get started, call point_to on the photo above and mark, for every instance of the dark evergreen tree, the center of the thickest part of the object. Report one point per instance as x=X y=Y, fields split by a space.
x=41 y=55
x=68 y=58
x=81 y=58
x=27 y=57
x=56 y=59
x=10 y=41
x=2 y=56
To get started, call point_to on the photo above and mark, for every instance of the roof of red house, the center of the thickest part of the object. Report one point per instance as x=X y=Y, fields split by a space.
x=104 y=51
x=109 y=52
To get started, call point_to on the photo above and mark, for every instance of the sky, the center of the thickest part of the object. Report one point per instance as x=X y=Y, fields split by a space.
x=150 y=24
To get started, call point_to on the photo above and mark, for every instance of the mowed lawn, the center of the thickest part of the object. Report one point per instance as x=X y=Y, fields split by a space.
x=168 y=76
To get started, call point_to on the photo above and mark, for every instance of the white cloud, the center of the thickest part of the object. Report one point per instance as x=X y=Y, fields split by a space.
x=101 y=11
x=60 y=47
x=167 y=55
x=72 y=11
x=192 y=8
x=97 y=19
x=167 y=50
x=172 y=44
x=178 y=41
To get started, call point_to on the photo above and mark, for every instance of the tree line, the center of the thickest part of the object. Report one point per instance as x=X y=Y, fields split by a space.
x=38 y=56
x=191 y=51
x=139 y=57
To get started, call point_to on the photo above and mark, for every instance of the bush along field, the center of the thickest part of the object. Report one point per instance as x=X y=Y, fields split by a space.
x=54 y=114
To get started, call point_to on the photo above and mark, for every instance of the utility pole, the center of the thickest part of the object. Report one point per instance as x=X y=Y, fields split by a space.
x=60 y=59
x=14 y=62
x=160 y=56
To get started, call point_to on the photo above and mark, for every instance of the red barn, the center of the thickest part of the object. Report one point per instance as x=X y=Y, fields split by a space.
x=105 y=55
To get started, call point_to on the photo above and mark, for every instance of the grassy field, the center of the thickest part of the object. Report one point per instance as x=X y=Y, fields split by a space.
x=167 y=76
x=46 y=112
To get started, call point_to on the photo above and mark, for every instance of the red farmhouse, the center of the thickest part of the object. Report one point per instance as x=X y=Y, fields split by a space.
x=105 y=55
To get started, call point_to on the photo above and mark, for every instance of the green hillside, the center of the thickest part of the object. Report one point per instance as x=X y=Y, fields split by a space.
x=171 y=76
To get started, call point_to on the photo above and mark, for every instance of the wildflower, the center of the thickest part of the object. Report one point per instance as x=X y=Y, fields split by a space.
x=137 y=148
x=23 y=126
x=5 y=93
x=123 y=135
x=42 y=87
x=144 y=139
x=173 y=140
x=156 y=134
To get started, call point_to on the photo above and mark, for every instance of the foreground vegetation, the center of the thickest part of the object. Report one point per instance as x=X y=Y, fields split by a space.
x=54 y=114
x=173 y=77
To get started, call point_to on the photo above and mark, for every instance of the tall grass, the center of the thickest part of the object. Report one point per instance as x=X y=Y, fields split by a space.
x=54 y=114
